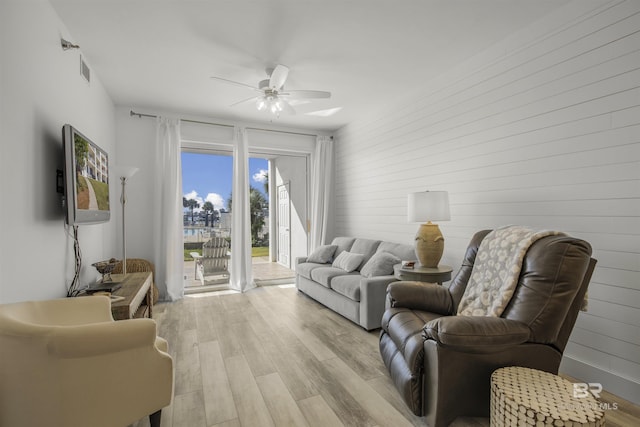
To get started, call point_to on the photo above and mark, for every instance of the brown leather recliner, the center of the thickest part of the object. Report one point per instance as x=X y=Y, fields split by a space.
x=441 y=363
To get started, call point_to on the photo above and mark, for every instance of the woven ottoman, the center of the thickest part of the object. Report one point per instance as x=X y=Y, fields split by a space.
x=528 y=397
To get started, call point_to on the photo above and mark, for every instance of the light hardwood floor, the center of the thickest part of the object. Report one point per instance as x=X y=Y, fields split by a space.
x=274 y=357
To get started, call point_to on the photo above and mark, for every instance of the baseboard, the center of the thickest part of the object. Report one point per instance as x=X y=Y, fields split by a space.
x=271 y=282
x=623 y=387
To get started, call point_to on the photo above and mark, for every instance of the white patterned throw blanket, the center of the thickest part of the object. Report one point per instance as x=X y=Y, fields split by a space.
x=496 y=270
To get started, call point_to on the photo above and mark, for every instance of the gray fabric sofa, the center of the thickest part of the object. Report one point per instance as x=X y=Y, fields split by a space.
x=358 y=296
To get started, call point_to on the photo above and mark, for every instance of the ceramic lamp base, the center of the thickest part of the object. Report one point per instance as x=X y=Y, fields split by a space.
x=429 y=245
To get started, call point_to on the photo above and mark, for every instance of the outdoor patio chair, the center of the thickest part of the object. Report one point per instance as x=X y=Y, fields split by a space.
x=215 y=258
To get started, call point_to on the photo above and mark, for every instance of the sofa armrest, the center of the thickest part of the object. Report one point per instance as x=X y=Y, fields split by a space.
x=372 y=297
x=476 y=334
x=300 y=260
x=101 y=338
x=420 y=296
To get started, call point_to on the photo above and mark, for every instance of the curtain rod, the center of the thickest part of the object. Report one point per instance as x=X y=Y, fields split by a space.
x=284 y=131
x=140 y=115
x=153 y=116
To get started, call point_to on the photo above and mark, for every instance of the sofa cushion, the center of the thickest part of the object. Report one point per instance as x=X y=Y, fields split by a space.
x=323 y=275
x=347 y=285
x=343 y=244
x=366 y=247
x=304 y=269
x=402 y=251
x=348 y=261
x=380 y=264
x=322 y=254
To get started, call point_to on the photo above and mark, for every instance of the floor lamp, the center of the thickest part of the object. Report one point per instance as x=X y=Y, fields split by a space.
x=126 y=172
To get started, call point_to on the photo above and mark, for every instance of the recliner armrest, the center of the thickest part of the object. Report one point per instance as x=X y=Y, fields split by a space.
x=420 y=296
x=476 y=334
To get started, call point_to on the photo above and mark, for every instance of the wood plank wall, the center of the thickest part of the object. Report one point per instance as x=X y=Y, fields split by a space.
x=541 y=130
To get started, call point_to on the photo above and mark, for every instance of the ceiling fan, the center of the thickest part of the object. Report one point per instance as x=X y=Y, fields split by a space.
x=272 y=96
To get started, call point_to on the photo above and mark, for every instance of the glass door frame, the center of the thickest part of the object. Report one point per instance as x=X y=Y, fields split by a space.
x=226 y=149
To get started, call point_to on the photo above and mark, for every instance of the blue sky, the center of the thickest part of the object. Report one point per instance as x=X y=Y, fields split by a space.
x=208 y=177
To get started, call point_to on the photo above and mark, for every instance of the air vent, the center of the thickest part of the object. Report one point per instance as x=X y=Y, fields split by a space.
x=84 y=70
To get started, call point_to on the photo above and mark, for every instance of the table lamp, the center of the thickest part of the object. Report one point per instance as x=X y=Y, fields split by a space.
x=427 y=206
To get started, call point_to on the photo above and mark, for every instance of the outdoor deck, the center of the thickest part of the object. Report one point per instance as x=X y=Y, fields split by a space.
x=265 y=272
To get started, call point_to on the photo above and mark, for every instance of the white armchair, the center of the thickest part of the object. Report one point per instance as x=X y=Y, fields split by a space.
x=66 y=363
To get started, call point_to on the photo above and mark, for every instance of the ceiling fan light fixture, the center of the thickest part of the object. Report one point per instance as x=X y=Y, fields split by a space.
x=271 y=103
x=273 y=98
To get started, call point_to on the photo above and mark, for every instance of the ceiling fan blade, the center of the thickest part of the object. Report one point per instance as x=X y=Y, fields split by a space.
x=324 y=113
x=253 y=98
x=306 y=94
x=287 y=108
x=237 y=83
x=278 y=77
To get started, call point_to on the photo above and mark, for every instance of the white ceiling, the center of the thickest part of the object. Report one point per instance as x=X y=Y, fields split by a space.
x=159 y=55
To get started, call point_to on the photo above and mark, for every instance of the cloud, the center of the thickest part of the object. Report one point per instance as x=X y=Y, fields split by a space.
x=216 y=200
x=261 y=176
x=193 y=195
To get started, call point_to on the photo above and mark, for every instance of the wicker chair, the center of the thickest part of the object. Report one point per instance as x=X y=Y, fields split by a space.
x=137 y=265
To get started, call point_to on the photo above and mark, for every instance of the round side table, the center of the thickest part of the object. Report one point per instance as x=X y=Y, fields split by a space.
x=529 y=397
x=439 y=274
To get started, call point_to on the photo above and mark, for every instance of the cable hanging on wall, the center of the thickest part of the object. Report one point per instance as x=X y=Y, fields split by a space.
x=74 y=290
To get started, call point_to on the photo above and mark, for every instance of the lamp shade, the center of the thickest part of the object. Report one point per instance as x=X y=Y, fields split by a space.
x=427 y=206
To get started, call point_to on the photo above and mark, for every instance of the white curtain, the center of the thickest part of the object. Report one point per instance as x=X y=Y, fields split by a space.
x=241 y=276
x=321 y=175
x=167 y=211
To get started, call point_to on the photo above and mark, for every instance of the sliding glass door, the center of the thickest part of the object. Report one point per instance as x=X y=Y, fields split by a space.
x=278 y=223
x=206 y=189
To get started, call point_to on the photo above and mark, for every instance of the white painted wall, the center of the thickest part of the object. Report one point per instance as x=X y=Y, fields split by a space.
x=136 y=141
x=40 y=90
x=542 y=130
